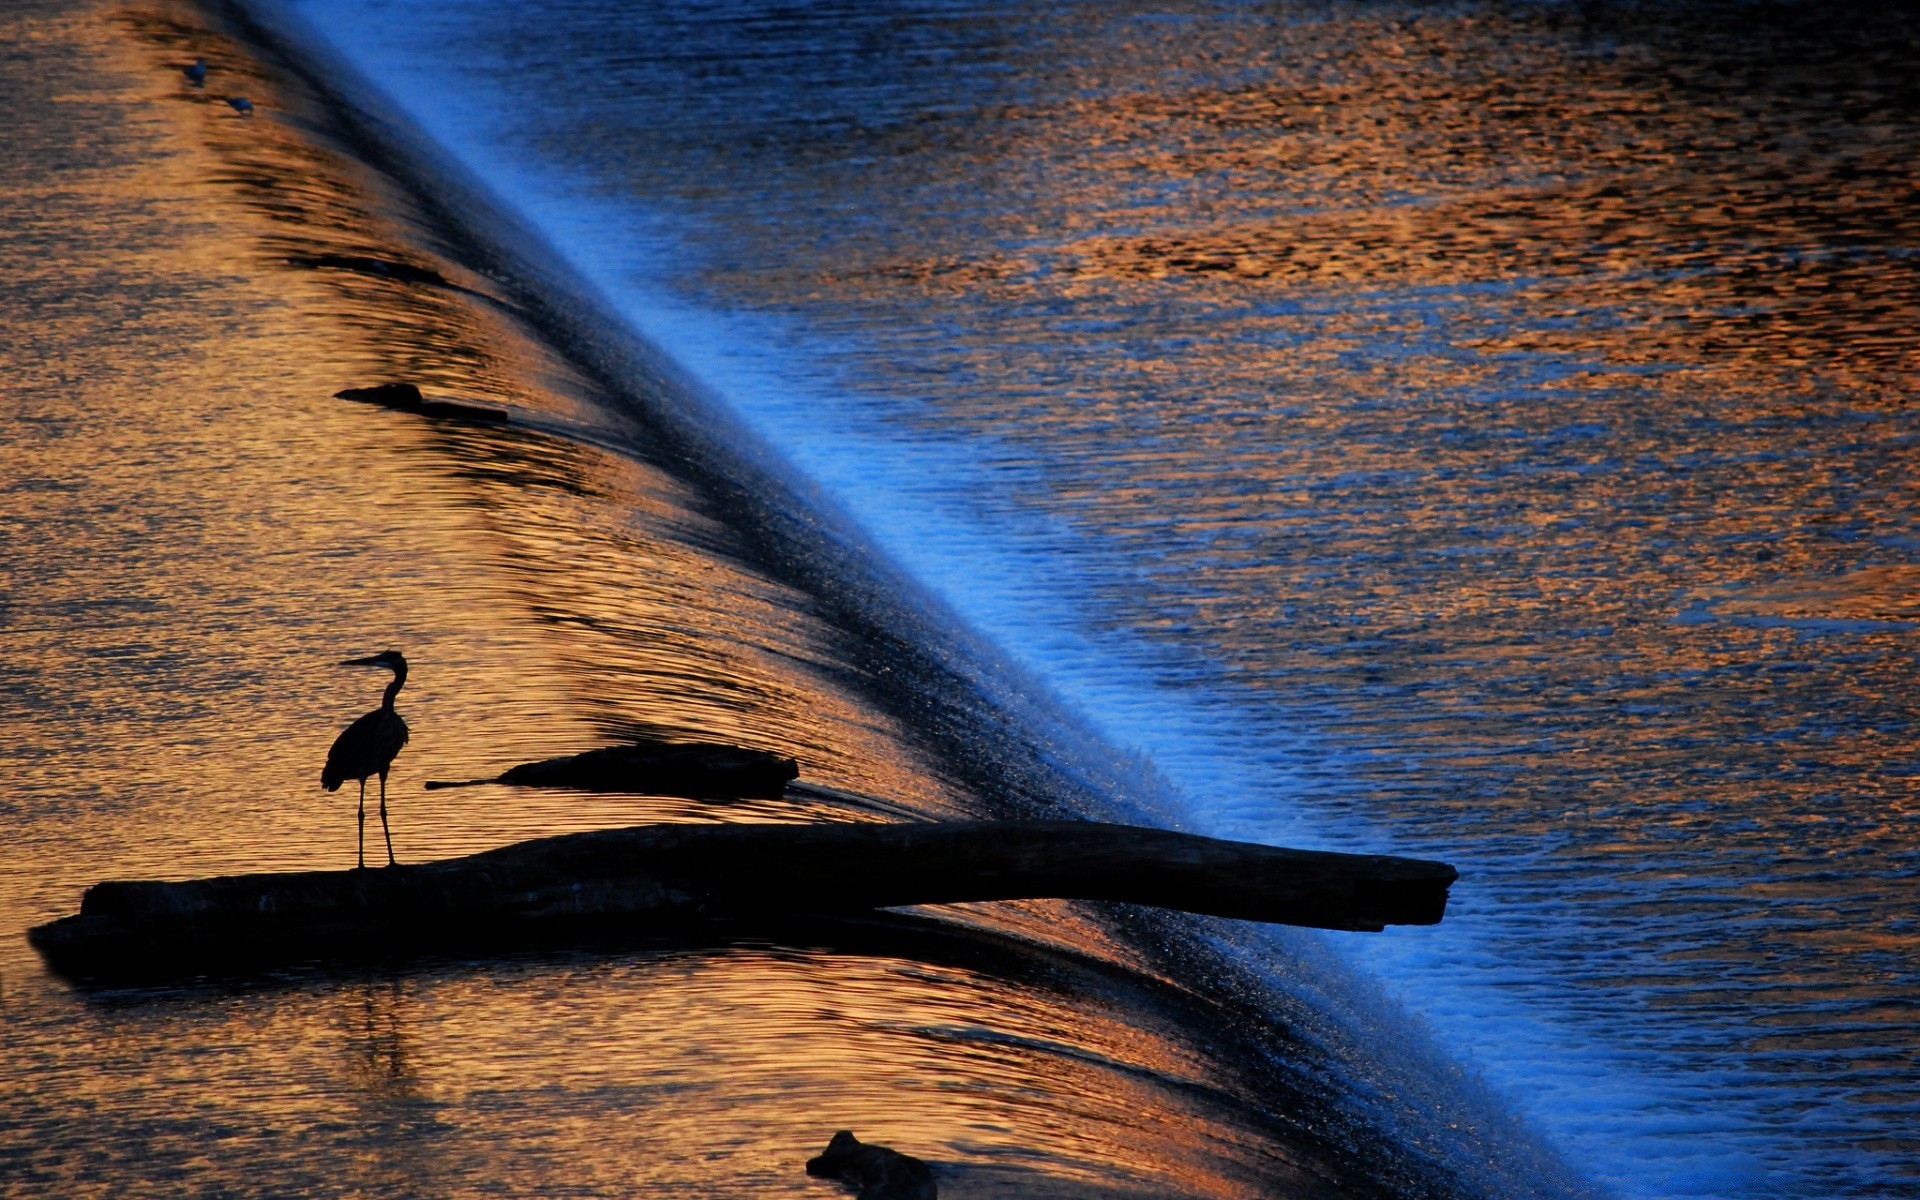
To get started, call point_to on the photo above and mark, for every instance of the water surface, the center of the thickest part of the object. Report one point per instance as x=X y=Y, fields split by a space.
x=1479 y=431
x=198 y=530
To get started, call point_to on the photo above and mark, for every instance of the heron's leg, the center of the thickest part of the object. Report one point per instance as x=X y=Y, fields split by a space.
x=383 y=818
x=363 y=822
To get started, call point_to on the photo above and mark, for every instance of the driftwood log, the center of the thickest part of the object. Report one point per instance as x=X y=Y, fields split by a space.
x=662 y=878
x=880 y=1172
x=697 y=770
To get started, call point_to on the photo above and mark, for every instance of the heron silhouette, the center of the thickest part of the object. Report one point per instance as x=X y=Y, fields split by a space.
x=369 y=745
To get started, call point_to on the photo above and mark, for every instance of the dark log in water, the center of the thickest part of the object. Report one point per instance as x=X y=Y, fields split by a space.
x=667 y=877
x=405 y=397
x=697 y=770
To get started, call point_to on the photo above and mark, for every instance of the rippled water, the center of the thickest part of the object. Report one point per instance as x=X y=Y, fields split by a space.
x=1482 y=431
x=196 y=530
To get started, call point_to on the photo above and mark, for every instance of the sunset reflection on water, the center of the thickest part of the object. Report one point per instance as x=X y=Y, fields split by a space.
x=1484 y=431
x=198 y=531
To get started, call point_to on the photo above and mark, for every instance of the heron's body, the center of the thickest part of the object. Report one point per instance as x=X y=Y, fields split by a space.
x=366 y=747
x=369 y=746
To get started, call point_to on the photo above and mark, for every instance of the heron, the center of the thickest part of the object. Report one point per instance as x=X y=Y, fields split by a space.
x=369 y=745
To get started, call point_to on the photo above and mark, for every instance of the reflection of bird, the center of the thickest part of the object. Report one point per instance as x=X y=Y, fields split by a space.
x=241 y=105
x=368 y=746
x=197 y=73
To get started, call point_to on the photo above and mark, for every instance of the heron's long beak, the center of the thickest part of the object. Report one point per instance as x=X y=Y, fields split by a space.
x=371 y=660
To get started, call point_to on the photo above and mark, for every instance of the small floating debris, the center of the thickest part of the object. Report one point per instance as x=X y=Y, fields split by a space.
x=366 y=264
x=241 y=105
x=881 y=1173
x=196 y=72
x=649 y=879
x=694 y=770
x=405 y=397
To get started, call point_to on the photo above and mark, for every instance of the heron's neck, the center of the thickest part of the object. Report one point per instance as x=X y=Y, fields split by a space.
x=393 y=689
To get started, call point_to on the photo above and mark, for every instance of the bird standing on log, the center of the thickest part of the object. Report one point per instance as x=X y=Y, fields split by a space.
x=369 y=745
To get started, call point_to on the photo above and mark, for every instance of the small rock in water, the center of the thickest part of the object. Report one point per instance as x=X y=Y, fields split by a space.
x=241 y=105
x=879 y=1172
x=196 y=72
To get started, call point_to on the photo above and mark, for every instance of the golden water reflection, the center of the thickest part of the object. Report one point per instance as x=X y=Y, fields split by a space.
x=1489 y=426
x=719 y=1072
x=201 y=531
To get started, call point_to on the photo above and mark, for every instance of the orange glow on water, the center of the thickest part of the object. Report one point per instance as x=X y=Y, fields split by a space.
x=204 y=531
x=1564 y=572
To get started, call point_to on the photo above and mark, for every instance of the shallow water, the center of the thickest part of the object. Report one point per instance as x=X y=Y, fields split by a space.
x=197 y=530
x=1478 y=431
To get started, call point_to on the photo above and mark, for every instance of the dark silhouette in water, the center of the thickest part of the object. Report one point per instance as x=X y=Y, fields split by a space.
x=241 y=105
x=196 y=72
x=698 y=770
x=405 y=397
x=879 y=1172
x=369 y=745
x=668 y=879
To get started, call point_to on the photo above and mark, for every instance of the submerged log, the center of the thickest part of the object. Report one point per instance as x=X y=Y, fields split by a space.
x=667 y=877
x=405 y=397
x=696 y=770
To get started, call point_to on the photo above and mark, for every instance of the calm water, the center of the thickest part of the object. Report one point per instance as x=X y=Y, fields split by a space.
x=1479 y=431
x=195 y=530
